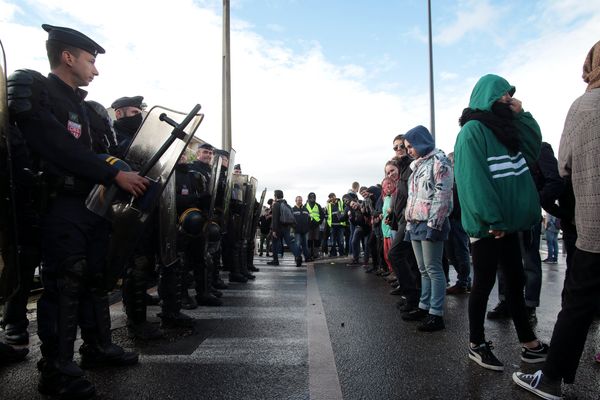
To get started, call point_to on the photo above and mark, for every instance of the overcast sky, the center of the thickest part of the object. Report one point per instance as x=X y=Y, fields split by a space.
x=320 y=87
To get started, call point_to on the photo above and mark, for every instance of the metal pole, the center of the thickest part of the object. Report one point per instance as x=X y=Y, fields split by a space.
x=226 y=83
x=431 y=100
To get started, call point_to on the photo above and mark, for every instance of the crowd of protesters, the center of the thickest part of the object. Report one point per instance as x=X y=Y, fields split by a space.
x=480 y=210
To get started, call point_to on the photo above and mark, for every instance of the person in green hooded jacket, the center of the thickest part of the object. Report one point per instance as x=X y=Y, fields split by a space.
x=498 y=196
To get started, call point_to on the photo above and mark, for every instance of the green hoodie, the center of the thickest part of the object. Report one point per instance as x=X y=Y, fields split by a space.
x=495 y=189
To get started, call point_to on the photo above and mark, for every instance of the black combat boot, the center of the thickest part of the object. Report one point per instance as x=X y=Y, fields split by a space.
x=60 y=376
x=17 y=334
x=98 y=350
x=243 y=256
x=235 y=274
x=9 y=354
x=64 y=383
x=250 y=259
x=135 y=297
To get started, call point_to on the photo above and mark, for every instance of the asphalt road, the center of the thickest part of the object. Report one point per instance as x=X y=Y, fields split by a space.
x=328 y=331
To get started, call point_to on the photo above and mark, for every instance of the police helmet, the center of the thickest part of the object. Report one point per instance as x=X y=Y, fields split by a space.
x=191 y=221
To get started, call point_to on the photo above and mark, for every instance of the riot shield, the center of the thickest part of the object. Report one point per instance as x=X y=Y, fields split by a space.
x=9 y=269
x=250 y=201
x=225 y=192
x=213 y=186
x=237 y=206
x=167 y=224
x=257 y=210
x=154 y=151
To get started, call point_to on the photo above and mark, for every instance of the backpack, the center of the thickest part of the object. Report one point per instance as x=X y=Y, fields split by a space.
x=286 y=215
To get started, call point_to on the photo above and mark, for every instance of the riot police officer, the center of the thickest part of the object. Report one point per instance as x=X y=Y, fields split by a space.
x=51 y=114
x=199 y=260
x=128 y=118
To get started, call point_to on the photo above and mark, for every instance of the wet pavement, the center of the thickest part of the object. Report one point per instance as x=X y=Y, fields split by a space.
x=328 y=331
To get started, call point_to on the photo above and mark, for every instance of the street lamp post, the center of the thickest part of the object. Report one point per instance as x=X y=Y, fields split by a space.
x=226 y=82
x=431 y=100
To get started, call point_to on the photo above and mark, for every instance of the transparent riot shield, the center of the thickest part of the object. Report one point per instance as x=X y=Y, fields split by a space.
x=9 y=270
x=250 y=200
x=257 y=210
x=167 y=225
x=154 y=151
x=224 y=194
x=213 y=187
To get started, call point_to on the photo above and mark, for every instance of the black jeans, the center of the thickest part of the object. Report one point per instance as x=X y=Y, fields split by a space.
x=580 y=302
x=405 y=266
x=489 y=254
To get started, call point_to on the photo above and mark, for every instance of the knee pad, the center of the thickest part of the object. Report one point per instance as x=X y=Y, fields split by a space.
x=74 y=272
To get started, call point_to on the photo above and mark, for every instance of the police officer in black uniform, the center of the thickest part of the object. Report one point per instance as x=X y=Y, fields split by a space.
x=199 y=260
x=51 y=114
x=128 y=118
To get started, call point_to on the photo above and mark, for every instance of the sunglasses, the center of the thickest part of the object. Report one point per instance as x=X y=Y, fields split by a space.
x=398 y=147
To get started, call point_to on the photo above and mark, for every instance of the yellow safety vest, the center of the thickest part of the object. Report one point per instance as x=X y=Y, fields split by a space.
x=314 y=212
x=340 y=208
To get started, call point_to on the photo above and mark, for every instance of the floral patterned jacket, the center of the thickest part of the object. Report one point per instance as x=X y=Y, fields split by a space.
x=430 y=190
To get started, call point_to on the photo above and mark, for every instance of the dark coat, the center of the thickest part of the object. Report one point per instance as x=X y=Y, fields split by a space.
x=302 y=217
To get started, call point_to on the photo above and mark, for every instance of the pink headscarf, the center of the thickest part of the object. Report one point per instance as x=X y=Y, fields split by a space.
x=591 y=68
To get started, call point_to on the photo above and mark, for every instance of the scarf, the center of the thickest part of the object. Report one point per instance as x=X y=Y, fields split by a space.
x=591 y=68
x=499 y=121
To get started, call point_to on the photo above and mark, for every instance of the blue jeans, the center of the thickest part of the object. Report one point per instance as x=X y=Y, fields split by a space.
x=358 y=238
x=552 y=242
x=285 y=234
x=337 y=239
x=433 y=280
x=301 y=240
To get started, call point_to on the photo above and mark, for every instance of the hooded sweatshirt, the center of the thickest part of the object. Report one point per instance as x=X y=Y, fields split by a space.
x=495 y=188
x=429 y=188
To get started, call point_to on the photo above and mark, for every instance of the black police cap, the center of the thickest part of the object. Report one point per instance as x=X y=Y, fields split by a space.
x=135 y=101
x=73 y=38
x=237 y=166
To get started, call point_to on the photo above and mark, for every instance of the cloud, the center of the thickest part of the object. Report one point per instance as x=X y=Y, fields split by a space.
x=545 y=69
x=300 y=122
x=448 y=76
x=276 y=28
x=472 y=16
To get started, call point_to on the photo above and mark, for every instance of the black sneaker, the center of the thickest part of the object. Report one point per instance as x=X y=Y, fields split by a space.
x=483 y=356
x=432 y=323
x=539 y=385
x=499 y=312
x=417 y=314
x=273 y=263
x=537 y=355
x=396 y=291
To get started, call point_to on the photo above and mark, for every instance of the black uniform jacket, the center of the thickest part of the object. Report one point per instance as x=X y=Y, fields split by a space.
x=53 y=120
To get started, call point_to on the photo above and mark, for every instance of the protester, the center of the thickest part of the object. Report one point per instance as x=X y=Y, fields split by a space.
x=496 y=142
